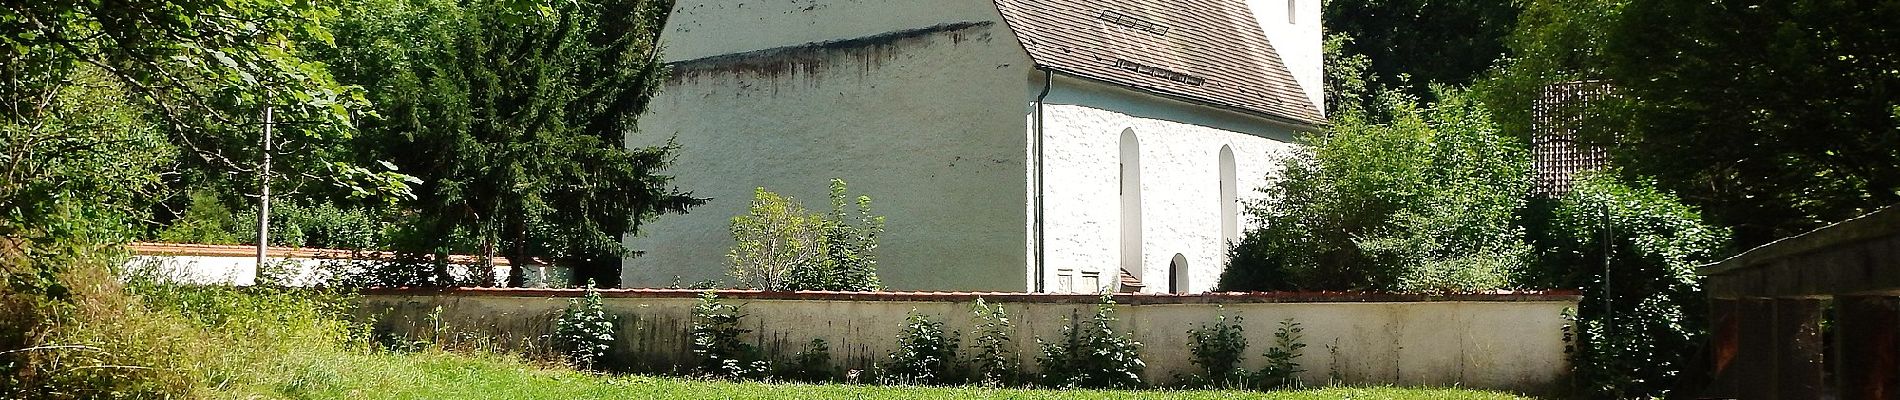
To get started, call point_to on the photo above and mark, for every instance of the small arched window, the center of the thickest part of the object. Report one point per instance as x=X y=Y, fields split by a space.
x=1292 y=12
x=1178 y=274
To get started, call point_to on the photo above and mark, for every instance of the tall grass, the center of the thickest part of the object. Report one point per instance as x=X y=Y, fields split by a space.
x=98 y=334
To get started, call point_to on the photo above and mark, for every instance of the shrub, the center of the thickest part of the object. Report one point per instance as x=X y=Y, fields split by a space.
x=1218 y=350
x=779 y=245
x=206 y=221
x=997 y=362
x=812 y=364
x=1417 y=199
x=584 y=332
x=1635 y=329
x=319 y=224
x=1283 y=367
x=717 y=343
x=1091 y=355
x=850 y=245
x=925 y=353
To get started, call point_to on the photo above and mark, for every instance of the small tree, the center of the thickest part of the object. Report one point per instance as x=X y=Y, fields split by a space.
x=997 y=363
x=1218 y=350
x=775 y=238
x=851 y=244
x=1283 y=366
x=925 y=353
x=779 y=245
x=722 y=353
x=585 y=332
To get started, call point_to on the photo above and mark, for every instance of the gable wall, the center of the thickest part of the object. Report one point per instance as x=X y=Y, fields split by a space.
x=1179 y=147
x=1297 y=42
x=913 y=102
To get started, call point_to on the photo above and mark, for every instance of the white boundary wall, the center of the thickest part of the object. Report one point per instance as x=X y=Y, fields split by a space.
x=1509 y=342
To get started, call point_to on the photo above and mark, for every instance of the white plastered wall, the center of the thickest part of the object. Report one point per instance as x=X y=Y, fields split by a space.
x=926 y=123
x=1180 y=147
x=1297 y=40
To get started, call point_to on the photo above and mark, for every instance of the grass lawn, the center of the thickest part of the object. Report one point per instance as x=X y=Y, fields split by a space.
x=438 y=375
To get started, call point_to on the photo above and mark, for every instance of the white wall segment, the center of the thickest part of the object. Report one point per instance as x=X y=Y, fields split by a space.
x=1297 y=40
x=1180 y=145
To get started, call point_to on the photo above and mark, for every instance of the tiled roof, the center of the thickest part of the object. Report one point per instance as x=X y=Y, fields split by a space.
x=1210 y=51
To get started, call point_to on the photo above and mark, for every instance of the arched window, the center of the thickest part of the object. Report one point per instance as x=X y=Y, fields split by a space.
x=1229 y=203
x=1131 y=203
x=1178 y=274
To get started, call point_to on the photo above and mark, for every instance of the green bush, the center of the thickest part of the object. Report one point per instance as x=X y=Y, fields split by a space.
x=925 y=353
x=318 y=225
x=778 y=245
x=997 y=361
x=1414 y=199
x=812 y=364
x=716 y=338
x=1218 y=350
x=206 y=221
x=584 y=332
x=1639 y=324
x=1091 y=354
x=1283 y=366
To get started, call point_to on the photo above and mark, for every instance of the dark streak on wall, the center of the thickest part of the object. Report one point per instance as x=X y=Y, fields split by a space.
x=811 y=58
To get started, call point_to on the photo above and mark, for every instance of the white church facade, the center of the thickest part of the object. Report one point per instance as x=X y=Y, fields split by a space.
x=1066 y=146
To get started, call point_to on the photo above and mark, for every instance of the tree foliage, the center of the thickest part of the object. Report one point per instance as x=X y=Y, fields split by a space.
x=1425 y=202
x=1775 y=117
x=203 y=71
x=1555 y=41
x=1350 y=82
x=514 y=115
x=1410 y=44
x=1633 y=251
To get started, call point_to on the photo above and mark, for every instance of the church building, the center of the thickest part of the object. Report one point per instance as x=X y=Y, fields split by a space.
x=1064 y=146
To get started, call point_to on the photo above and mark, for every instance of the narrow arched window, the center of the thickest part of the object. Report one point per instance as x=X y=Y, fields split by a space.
x=1229 y=201
x=1131 y=203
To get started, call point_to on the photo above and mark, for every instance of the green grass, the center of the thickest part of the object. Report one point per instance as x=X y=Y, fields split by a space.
x=431 y=375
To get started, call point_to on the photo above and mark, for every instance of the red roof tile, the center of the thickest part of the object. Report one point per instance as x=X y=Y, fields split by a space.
x=1210 y=51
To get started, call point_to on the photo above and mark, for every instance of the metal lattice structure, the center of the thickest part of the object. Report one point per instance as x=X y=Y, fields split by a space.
x=1556 y=118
